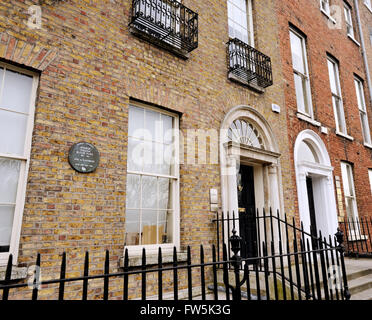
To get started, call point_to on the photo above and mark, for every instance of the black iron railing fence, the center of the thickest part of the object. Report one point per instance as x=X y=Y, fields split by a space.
x=167 y=23
x=249 y=65
x=265 y=227
x=296 y=274
x=358 y=233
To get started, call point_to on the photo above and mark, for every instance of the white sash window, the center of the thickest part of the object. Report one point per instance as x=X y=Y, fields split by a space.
x=241 y=20
x=338 y=106
x=17 y=108
x=301 y=74
x=152 y=205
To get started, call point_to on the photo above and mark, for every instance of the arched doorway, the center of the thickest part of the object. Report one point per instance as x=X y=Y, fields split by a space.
x=250 y=168
x=314 y=178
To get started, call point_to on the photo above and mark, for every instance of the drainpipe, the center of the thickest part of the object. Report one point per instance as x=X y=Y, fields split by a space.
x=364 y=53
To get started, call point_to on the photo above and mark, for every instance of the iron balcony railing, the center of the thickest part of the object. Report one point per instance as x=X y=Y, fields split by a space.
x=166 y=23
x=248 y=65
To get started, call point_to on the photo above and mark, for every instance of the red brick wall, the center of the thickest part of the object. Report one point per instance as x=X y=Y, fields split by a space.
x=308 y=18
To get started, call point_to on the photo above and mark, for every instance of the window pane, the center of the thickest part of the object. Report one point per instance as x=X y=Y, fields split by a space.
x=12 y=132
x=168 y=161
x=297 y=53
x=167 y=128
x=17 y=92
x=149 y=192
x=164 y=194
x=300 y=93
x=6 y=224
x=350 y=208
x=9 y=176
x=149 y=227
x=365 y=127
x=135 y=154
x=150 y=164
x=152 y=125
x=332 y=77
x=132 y=227
x=133 y=191
x=165 y=227
x=341 y=127
x=345 y=179
x=136 y=122
x=358 y=94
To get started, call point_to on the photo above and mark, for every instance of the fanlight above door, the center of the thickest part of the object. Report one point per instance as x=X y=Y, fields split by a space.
x=243 y=132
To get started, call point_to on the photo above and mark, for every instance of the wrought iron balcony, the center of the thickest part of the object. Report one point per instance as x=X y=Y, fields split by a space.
x=248 y=65
x=166 y=23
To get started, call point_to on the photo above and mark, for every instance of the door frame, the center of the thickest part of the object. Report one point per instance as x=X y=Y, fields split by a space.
x=325 y=207
x=232 y=154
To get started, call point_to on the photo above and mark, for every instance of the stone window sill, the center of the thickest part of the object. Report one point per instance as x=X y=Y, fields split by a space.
x=308 y=119
x=135 y=261
x=18 y=273
x=251 y=86
x=353 y=39
x=370 y=9
x=344 y=135
x=328 y=16
x=368 y=145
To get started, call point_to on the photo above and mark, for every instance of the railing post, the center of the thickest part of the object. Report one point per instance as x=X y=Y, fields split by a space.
x=340 y=248
x=8 y=276
x=235 y=241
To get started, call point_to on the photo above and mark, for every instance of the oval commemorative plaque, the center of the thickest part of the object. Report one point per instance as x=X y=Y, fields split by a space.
x=83 y=157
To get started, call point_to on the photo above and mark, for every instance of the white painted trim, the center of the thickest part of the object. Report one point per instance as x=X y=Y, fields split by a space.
x=323 y=176
x=23 y=175
x=168 y=247
x=266 y=158
x=369 y=9
x=308 y=119
x=250 y=22
x=306 y=75
x=353 y=39
x=344 y=135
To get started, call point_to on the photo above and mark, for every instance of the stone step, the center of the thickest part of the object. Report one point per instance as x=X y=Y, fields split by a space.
x=357 y=274
x=363 y=295
x=360 y=284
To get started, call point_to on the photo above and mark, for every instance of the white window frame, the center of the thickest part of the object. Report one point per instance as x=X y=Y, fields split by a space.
x=346 y=172
x=24 y=169
x=250 y=28
x=368 y=4
x=305 y=78
x=338 y=97
x=168 y=247
x=325 y=7
x=359 y=87
x=349 y=21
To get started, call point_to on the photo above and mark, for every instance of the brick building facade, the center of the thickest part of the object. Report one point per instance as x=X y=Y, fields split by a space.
x=334 y=68
x=93 y=76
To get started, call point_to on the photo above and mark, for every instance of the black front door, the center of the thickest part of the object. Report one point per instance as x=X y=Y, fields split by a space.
x=310 y=195
x=247 y=212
